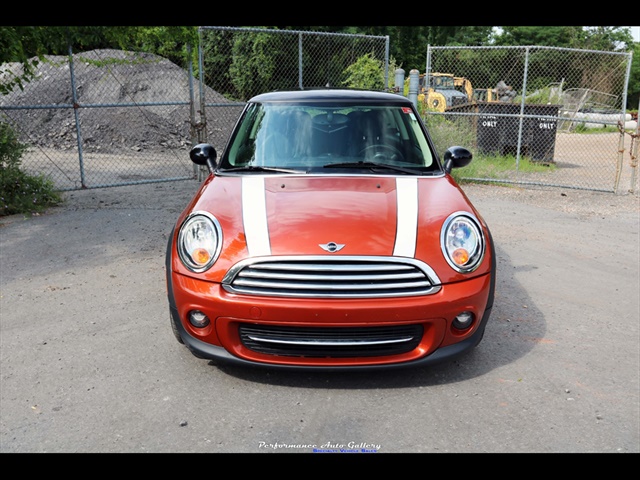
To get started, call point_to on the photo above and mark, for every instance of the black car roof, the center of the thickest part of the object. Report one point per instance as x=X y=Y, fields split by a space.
x=333 y=94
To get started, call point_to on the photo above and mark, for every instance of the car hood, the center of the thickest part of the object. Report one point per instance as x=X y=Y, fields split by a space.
x=330 y=215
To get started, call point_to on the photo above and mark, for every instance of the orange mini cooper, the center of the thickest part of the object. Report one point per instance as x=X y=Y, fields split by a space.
x=330 y=235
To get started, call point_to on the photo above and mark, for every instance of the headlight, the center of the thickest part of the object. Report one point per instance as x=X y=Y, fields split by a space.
x=462 y=242
x=199 y=241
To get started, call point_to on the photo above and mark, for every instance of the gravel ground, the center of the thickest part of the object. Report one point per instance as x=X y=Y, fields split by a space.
x=584 y=203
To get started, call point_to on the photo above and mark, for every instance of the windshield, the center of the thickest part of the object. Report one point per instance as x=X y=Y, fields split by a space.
x=304 y=137
x=443 y=83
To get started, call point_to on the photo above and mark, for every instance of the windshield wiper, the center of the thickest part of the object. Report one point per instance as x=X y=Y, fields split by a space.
x=258 y=168
x=372 y=165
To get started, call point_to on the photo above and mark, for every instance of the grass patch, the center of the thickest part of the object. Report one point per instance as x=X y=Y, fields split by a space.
x=581 y=128
x=499 y=167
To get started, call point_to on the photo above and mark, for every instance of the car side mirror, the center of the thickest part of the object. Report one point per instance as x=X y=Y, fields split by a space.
x=204 y=154
x=456 y=157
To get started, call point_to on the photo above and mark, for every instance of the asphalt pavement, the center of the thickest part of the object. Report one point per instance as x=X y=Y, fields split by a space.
x=88 y=362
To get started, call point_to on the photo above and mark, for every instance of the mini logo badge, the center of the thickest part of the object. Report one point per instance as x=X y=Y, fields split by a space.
x=331 y=246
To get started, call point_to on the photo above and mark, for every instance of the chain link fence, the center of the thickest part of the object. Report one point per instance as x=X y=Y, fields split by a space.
x=536 y=116
x=104 y=118
x=531 y=115
x=238 y=63
x=110 y=117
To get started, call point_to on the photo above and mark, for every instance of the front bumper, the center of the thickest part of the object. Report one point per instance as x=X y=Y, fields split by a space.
x=208 y=351
x=221 y=341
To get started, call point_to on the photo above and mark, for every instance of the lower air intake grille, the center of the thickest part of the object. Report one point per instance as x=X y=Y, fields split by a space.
x=331 y=342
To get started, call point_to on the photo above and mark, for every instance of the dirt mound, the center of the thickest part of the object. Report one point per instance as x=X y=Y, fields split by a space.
x=124 y=100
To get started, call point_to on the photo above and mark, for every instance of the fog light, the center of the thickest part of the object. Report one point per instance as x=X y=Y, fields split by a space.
x=198 y=319
x=463 y=320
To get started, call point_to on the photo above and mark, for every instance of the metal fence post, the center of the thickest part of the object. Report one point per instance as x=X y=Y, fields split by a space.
x=538 y=116
x=399 y=79
x=634 y=155
x=414 y=83
x=74 y=95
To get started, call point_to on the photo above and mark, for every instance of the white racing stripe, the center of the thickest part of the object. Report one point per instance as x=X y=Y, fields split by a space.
x=407 y=227
x=254 y=216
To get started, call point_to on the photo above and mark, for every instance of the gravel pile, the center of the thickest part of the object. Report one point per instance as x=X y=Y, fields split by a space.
x=129 y=100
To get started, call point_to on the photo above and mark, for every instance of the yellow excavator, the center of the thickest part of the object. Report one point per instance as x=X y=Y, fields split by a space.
x=502 y=92
x=475 y=94
x=444 y=90
x=440 y=92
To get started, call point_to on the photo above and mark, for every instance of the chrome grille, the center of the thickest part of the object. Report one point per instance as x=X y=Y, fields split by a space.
x=332 y=277
x=331 y=342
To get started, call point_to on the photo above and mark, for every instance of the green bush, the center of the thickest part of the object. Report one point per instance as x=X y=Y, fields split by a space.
x=366 y=73
x=19 y=191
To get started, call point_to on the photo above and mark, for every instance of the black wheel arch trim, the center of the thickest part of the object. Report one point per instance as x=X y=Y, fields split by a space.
x=167 y=263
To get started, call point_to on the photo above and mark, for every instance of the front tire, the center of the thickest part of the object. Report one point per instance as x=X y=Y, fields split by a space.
x=176 y=333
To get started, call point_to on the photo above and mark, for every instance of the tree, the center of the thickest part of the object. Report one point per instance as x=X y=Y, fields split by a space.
x=408 y=44
x=548 y=36
x=587 y=38
x=633 y=96
x=607 y=38
x=261 y=62
x=590 y=38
